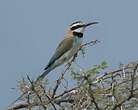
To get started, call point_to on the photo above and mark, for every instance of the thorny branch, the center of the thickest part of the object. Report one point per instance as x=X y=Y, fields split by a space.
x=93 y=98
x=96 y=94
x=131 y=91
x=61 y=77
x=62 y=74
x=67 y=96
x=99 y=78
x=48 y=97
x=33 y=89
x=68 y=66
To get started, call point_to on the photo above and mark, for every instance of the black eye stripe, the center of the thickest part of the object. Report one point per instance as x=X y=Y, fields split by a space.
x=76 y=27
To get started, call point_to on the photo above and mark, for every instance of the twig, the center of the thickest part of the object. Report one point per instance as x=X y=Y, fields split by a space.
x=90 y=43
x=99 y=78
x=92 y=96
x=132 y=78
x=66 y=91
x=131 y=91
x=61 y=77
x=20 y=106
x=28 y=101
x=33 y=88
x=93 y=99
x=48 y=97
x=68 y=66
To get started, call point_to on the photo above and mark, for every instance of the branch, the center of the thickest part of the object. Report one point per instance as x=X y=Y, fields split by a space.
x=18 y=106
x=48 y=97
x=131 y=91
x=99 y=78
x=68 y=66
x=33 y=88
x=61 y=77
x=67 y=91
x=90 y=43
x=92 y=96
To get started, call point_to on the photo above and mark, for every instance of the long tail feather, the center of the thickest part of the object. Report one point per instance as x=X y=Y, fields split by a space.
x=41 y=77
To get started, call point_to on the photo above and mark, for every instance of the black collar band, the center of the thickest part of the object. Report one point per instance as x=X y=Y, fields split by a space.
x=78 y=34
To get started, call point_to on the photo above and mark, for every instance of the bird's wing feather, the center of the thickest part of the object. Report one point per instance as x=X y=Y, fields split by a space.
x=62 y=48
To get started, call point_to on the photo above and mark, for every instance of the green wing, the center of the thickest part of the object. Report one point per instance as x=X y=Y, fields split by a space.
x=62 y=48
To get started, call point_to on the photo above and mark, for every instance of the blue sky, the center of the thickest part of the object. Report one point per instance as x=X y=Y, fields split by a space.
x=30 y=30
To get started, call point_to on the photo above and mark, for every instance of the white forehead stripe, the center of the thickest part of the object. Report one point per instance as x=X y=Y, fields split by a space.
x=76 y=27
x=77 y=24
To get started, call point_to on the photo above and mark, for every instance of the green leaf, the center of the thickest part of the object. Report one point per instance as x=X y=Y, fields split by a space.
x=14 y=88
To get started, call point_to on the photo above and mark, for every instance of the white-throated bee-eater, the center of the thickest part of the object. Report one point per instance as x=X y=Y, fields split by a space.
x=68 y=47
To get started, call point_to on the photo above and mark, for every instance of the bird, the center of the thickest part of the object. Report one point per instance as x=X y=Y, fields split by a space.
x=68 y=47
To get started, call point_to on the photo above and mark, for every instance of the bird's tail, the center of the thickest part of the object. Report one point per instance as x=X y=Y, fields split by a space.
x=41 y=77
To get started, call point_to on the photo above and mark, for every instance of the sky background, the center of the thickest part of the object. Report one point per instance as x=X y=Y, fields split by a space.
x=30 y=30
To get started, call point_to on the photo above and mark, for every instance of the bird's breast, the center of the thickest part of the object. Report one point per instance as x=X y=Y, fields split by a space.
x=76 y=45
x=72 y=51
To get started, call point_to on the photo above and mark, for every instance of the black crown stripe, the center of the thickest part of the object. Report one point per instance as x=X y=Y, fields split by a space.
x=76 y=23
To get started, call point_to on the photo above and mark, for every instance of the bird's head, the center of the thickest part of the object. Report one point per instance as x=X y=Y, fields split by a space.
x=77 y=28
x=80 y=26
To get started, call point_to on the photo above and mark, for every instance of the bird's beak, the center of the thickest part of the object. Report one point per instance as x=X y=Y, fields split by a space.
x=88 y=24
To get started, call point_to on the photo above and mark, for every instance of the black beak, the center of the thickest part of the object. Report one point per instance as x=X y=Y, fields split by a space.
x=91 y=23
